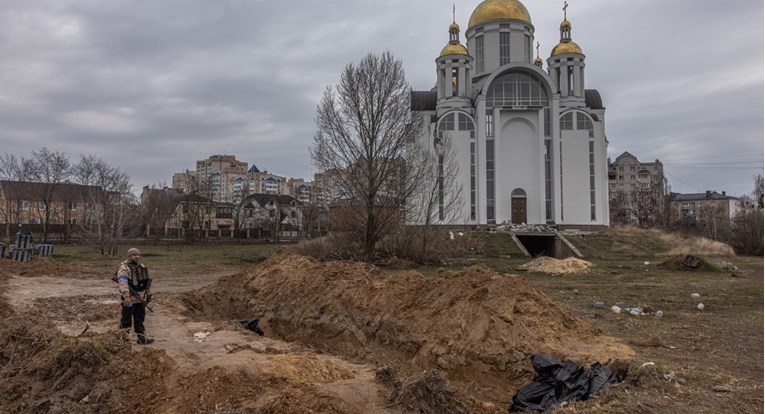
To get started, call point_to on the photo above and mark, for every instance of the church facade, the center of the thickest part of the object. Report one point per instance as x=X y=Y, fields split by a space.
x=529 y=143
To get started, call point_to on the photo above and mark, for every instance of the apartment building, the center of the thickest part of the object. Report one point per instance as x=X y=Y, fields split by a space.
x=61 y=205
x=636 y=190
x=707 y=208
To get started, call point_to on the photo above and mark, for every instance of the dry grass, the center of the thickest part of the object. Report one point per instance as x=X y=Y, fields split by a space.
x=680 y=244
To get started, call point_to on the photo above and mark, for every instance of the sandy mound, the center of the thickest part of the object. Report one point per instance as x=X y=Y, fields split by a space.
x=477 y=327
x=553 y=266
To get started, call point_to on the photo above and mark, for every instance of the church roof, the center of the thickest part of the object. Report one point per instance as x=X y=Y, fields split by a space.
x=592 y=99
x=424 y=100
x=490 y=10
x=453 y=49
x=253 y=169
x=566 y=47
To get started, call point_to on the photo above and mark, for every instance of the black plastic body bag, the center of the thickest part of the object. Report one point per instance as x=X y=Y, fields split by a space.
x=558 y=382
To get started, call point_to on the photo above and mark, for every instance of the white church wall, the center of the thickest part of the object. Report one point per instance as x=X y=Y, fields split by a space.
x=517 y=166
x=576 y=177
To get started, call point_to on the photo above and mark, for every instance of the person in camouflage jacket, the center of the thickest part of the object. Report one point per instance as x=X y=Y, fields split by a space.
x=135 y=291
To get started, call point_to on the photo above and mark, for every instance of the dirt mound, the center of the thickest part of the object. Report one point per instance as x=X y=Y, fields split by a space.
x=45 y=371
x=476 y=326
x=689 y=263
x=39 y=266
x=553 y=266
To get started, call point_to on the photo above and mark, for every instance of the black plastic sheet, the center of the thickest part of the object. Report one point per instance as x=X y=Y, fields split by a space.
x=251 y=324
x=558 y=382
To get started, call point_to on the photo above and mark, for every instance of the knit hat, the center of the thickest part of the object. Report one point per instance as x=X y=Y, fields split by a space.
x=133 y=251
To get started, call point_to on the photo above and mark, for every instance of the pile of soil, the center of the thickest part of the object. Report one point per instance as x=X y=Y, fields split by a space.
x=689 y=263
x=42 y=370
x=477 y=327
x=38 y=266
x=553 y=266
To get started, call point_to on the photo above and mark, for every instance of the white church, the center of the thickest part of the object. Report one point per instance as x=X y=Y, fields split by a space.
x=530 y=143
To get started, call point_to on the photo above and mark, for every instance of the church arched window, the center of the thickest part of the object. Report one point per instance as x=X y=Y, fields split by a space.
x=446 y=123
x=567 y=122
x=516 y=89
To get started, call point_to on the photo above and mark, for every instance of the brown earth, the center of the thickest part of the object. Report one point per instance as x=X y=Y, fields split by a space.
x=340 y=338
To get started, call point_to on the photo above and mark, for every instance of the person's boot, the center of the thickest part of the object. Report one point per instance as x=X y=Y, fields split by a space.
x=144 y=340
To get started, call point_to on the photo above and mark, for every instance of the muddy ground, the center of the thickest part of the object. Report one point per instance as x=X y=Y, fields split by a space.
x=351 y=338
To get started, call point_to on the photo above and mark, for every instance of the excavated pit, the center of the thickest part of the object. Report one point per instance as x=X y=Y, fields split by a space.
x=475 y=326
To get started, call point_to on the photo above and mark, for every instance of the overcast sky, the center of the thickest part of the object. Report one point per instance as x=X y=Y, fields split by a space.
x=151 y=86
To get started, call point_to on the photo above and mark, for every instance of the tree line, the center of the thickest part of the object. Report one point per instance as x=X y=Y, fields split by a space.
x=107 y=189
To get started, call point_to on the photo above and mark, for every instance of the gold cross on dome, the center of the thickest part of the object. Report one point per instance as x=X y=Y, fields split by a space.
x=454 y=13
x=537 y=48
x=565 y=6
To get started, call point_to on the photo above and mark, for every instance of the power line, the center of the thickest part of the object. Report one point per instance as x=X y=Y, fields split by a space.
x=681 y=181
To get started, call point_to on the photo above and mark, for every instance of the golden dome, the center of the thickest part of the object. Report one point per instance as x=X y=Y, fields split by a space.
x=566 y=47
x=454 y=26
x=565 y=23
x=453 y=49
x=490 y=10
x=538 y=61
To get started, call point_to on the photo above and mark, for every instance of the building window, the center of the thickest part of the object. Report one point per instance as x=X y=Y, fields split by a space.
x=465 y=123
x=490 y=181
x=516 y=89
x=567 y=122
x=489 y=123
x=527 y=39
x=24 y=205
x=447 y=123
x=592 y=180
x=548 y=181
x=472 y=180
x=41 y=206
x=504 y=48
x=72 y=206
x=479 y=54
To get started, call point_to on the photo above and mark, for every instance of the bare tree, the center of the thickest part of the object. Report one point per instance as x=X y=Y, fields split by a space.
x=158 y=207
x=365 y=129
x=746 y=233
x=13 y=168
x=50 y=169
x=439 y=199
x=105 y=196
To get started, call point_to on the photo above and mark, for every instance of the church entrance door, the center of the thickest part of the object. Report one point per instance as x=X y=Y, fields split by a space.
x=518 y=206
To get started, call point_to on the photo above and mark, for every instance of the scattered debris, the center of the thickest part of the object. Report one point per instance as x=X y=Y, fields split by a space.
x=647 y=364
x=700 y=306
x=671 y=377
x=598 y=304
x=695 y=295
x=720 y=388
x=616 y=309
x=525 y=228
x=691 y=261
x=87 y=326
x=659 y=314
x=200 y=336
x=730 y=267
